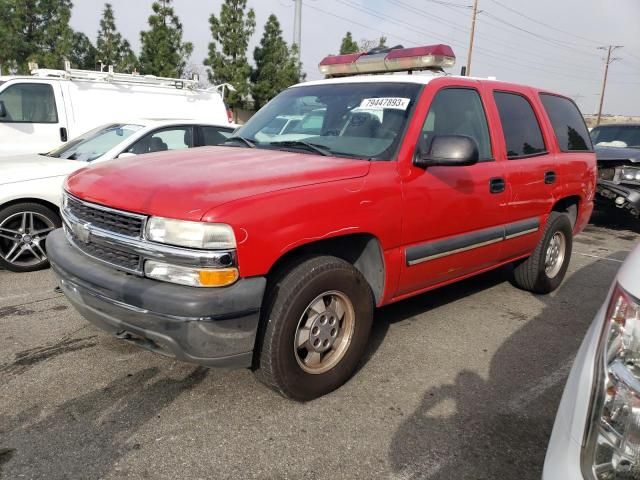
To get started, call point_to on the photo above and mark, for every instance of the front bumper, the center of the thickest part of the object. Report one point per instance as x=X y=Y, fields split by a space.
x=211 y=327
x=609 y=191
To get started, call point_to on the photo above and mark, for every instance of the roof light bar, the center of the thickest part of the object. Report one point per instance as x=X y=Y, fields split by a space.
x=430 y=57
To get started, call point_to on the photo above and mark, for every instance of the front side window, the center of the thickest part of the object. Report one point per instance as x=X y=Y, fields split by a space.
x=29 y=103
x=95 y=143
x=354 y=120
x=458 y=111
x=567 y=122
x=521 y=129
x=175 y=138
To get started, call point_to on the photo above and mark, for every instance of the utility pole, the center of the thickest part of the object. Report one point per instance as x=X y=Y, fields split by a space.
x=607 y=62
x=473 y=31
x=297 y=26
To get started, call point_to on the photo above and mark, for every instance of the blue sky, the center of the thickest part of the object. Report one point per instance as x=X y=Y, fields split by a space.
x=545 y=43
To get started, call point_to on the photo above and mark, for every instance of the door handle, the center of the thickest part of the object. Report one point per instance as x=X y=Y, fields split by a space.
x=63 y=134
x=497 y=185
x=549 y=177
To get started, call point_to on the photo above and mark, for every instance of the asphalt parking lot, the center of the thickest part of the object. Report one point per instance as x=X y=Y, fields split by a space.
x=459 y=383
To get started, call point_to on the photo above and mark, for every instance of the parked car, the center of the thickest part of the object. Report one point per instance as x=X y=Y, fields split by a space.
x=30 y=184
x=44 y=110
x=596 y=434
x=618 y=151
x=273 y=254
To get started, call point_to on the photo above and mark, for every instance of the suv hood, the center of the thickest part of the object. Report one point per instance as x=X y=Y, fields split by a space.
x=618 y=153
x=189 y=183
x=22 y=168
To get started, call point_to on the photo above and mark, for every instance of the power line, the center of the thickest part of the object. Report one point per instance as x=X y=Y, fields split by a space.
x=513 y=10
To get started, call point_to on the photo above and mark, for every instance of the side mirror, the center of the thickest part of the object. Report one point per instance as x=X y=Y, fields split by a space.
x=3 y=110
x=126 y=155
x=448 y=150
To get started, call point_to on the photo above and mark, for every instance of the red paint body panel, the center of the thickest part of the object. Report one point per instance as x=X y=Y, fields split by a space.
x=277 y=201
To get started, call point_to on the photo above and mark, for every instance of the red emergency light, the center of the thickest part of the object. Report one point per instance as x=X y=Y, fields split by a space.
x=396 y=59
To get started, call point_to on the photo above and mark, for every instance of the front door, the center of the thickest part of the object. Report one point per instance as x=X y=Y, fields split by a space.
x=33 y=120
x=453 y=217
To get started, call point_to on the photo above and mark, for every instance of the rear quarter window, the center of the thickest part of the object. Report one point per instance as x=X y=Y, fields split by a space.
x=522 y=133
x=567 y=122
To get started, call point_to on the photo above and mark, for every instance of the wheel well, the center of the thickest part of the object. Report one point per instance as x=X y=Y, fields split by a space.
x=39 y=201
x=568 y=205
x=361 y=250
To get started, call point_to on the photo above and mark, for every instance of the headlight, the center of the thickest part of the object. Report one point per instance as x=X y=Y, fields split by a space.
x=612 y=449
x=211 y=236
x=193 y=277
x=630 y=173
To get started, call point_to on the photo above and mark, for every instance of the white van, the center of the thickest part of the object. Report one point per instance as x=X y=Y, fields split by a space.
x=42 y=111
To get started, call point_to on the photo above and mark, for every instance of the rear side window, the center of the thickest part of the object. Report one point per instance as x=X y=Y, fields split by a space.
x=29 y=103
x=521 y=129
x=215 y=135
x=458 y=111
x=568 y=124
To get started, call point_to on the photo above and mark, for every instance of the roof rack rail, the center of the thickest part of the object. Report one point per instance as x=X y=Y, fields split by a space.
x=112 y=77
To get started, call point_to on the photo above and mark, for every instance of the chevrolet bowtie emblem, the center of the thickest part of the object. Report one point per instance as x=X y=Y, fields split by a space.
x=82 y=231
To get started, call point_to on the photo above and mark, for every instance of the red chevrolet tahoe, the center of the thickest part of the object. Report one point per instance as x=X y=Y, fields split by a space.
x=273 y=250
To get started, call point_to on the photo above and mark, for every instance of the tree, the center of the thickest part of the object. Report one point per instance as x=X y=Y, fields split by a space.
x=348 y=45
x=227 y=58
x=163 y=52
x=277 y=65
x=83 y=53
x=35 y=30
x=112 y=49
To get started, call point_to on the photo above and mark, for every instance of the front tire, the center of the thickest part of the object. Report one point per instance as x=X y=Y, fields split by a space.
x=23 y=231
x=318 y=317
x=545 y=269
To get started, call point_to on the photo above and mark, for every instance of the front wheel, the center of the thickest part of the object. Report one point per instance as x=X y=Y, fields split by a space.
x=318 y=318
x=23 y=230
x=545 y=269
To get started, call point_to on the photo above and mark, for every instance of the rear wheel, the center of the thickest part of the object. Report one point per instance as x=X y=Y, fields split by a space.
x=318 y=318
x=545 y=269
x=23 y=230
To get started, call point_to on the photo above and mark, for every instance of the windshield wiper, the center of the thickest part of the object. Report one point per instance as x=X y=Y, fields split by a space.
x=308 y=146
x=238 y=138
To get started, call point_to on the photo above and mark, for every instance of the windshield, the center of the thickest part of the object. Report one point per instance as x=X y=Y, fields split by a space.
x=617 y=136
x=95 y=143
x=359 y=120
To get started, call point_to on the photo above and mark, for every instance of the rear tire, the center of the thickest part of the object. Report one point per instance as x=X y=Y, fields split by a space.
x=317 y=318
x=545 y=269
x=23 y=231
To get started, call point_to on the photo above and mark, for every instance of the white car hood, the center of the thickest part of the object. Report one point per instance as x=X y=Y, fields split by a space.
x=21 y=168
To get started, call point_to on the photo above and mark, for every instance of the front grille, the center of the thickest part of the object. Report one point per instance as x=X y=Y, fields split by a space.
x=606 y=173
x=118 y=258
x=121 y=223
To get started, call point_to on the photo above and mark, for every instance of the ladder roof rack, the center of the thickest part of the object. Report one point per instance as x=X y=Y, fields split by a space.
x=112 y=77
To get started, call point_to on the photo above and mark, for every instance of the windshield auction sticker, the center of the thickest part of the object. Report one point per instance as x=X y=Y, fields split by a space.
x=386 y=102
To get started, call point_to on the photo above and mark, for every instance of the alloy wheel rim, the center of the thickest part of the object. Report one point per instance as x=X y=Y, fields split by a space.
x=554 y=257
x=324 y=332
x=22 y=238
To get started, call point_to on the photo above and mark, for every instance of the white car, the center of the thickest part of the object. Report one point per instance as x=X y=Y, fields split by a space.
x=596 y=434
x=41 y=111
x=30 y=185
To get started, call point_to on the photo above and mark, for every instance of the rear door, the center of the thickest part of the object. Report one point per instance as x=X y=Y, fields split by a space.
x=34 y=120
x=530 y=169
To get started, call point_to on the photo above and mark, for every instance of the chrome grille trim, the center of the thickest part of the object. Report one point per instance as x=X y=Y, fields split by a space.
x=144 y=249
x=117 y=221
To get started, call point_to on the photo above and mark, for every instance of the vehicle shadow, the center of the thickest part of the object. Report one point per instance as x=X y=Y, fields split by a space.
x=85 y=436
x=406 y=309
x=614 y=219
x=478 y=428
